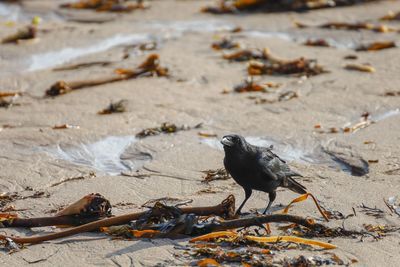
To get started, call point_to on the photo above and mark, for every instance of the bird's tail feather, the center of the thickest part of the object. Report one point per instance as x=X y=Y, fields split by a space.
x=295 y=186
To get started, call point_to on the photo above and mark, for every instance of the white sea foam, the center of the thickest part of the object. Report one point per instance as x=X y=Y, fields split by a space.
x=106 y=155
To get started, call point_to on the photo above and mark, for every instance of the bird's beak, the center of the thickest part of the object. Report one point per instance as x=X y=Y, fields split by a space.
x=226 y=141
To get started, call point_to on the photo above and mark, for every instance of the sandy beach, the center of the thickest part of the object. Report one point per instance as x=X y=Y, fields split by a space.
x=311 y=130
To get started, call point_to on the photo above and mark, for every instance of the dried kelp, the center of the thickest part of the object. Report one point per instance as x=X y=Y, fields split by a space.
x=7 y=198
x=106 y=5
x=236 y=249
x=216 y=254
x=317 y=42
x=7 y=99
x=5 y=103
x=231 y=247
x=222 y=8
x=9 y=94
x=392 y=93
x=375 y=212
x=167 y=201
x=208 y=190
x=214 y=237
x=27 y=33
x=225 y=43
x=280 y=97
x=381 y=230
x=391 y=16
x=360 y=67
x=213 y=175
x=150 y=67
x=250 y=86
x=376 y=46
x=90 y=205
x=90 y=208
x=275 y=239
x=207 y=134
x=335 y=215
x=65 y=126
x=365 y=121
x=357 y=26
x=298 y=67
x=350 y=57
x=302 y=261
x=302 y=198
x=171 y=222
x=275 y=66
x=114 y=107
x=245 y=55
x=235 y=6
x=165 y=128
x=226 y=209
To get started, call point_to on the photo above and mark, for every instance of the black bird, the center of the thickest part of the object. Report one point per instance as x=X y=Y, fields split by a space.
x=257 y=168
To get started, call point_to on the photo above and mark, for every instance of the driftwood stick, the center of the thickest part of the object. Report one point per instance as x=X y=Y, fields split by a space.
x=225 y=209
x=149 y=67
x=49 y=221
x=74 y=85
x=256 y=221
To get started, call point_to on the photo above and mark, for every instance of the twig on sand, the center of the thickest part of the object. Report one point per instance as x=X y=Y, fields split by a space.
x=66 y=180
x=151 y=66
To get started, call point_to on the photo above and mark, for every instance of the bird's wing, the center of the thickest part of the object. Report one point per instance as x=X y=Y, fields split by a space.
x=268 y=152
x=274 y=168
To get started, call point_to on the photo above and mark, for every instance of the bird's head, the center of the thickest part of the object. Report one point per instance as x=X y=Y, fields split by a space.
x=233 y=142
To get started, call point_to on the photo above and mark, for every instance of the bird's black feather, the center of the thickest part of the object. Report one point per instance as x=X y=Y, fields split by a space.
x=257 y=168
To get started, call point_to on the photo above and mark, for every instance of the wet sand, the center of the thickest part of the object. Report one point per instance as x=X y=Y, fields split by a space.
x=33 y=155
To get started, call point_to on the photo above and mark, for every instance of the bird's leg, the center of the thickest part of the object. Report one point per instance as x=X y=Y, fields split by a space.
x=247 y=192
x=272 y=196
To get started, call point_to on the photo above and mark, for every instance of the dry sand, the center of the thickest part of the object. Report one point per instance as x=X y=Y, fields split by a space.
x=34 y=155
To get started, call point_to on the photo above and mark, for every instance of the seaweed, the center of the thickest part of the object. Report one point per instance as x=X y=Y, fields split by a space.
x=376 y=46
x=166 y=128
x=275 y=66
x=317 y=42
x=357 y=26
x=106 y=5
x=150 y=67
x=244 y=55
x=7 y=99
x=250 y=86
x=237 y=6
x=360 y=67
x=26 y=33
x=114 y=107
x=391 y=16
x=65 y=126
x=213 y=175
x=225 y=43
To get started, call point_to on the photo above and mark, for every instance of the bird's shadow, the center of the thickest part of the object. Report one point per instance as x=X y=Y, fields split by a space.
x=271 y=210
x=83 y=237
x=144 y=244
